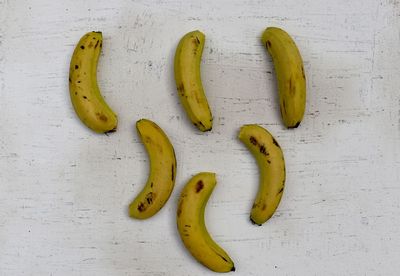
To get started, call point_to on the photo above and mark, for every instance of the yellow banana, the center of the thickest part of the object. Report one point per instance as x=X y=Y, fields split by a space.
x=84 y=91
x=290 y=73
x=161 y=180
x=271 y=165
x=191 y=226
x=188 y=80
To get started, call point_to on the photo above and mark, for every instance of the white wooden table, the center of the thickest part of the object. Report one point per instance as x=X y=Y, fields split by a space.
x=64 y=190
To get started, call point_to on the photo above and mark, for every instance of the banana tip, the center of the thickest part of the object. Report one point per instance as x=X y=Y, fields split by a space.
x=294 y=126
x=233 y=268
x=252 y=221
x=110 y=131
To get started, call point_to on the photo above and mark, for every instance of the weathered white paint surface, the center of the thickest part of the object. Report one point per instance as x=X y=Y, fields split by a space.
x=64 y=190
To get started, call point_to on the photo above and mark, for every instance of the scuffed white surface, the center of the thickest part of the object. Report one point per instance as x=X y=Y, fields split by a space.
x=64 y=190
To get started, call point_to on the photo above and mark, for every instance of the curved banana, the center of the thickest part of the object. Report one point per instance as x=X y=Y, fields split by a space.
x=85 y=95
x=191 y=227
x=290 y=73
x=271 y=164
x=188 y=80
x=161 y=180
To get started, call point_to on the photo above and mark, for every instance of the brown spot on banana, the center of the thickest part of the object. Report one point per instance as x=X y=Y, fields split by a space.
x=179 y=211
x=275 y=142
x=302 y=72
x=141 y=207
x=199 y=186
x=253 y=140
x=263 y=150
x=264 y=207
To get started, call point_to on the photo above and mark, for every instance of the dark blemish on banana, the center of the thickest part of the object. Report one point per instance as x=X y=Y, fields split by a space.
x=78 y=81
x=275 y=142
x=263 y=150
x=253 y=140
x=97 y=43
x=179 y=212
x=101 y=44
x=76 y=66
x=172 y=172
x=199 y=186
x=197 y=39
x=151 y=185
x=280 y=191
x=254 y=206
x=82 y=47
x=200 y=123
x=187 y=225
x=103 y=118
x=181 y=89
x=149 y=198
x=222 y=257
x=196 y=125
x=84 y=97
x=292 y=87
x=141 y=207
x=268 y=44
x=69 y=79
x=302 y=72
x=268 y=161
x=264 y=207
x=284 y=106
x=76 y=93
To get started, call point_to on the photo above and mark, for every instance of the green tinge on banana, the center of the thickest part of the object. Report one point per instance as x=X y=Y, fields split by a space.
x=290 y=74
x=85 y=95
x=161 y=180
x=188 y=80
x=191 y=226
x=271 y=163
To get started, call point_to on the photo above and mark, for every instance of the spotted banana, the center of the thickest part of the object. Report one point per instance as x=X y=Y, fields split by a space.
x=191 y=226
x=161 y=180
x=290 y=74
x=269 y=156
x=188 y=81
x=88 y=103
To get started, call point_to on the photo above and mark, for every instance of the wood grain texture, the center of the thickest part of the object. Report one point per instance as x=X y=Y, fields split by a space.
x=64 y=190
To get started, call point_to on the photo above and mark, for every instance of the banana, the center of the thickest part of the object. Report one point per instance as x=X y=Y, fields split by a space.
x=161 y=180
x=191 y=226
x=271 y=165
x=290 y=74
x=85 y=95
x=188 y=80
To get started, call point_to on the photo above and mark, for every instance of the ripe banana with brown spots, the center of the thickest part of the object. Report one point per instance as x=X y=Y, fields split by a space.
x=188 y=80
x=88 y=103
x=269 y=156
x=191 y=226
x=289 y=70
x=161 y=180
